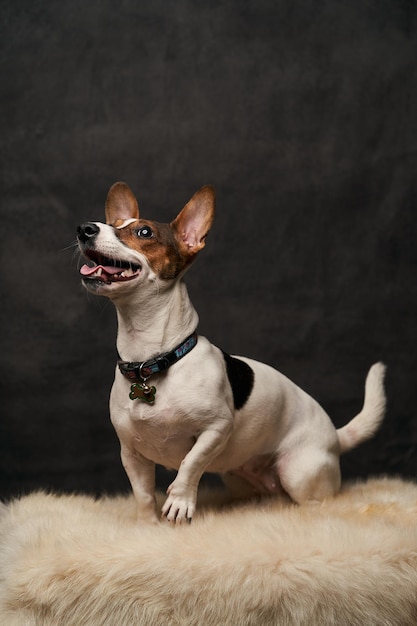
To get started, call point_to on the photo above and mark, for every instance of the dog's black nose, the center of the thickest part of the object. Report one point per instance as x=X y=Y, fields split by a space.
x=87 y=231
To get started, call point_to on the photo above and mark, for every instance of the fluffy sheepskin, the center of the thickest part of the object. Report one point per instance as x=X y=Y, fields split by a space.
x=72 y=561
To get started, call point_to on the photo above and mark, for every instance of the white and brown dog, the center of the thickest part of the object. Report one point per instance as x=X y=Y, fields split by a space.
x=202 y=410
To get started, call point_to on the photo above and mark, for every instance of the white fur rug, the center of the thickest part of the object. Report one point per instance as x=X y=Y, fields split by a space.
x=73 y=561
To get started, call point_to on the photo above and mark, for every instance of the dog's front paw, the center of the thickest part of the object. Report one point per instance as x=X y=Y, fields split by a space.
x=179 y=507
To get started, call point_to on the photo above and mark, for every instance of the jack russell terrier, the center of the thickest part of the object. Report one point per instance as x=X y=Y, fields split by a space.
x=178 y=400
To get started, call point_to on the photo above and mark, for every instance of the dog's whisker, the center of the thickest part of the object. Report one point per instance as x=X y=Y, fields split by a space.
x=74 y=245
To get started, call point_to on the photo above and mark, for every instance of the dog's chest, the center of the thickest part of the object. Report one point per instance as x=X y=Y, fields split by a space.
x=163 y=432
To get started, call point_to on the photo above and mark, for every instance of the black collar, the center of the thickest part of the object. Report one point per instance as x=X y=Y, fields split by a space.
x=138 y=371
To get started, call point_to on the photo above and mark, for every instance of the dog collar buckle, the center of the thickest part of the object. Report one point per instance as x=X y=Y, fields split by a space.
x=162 y=363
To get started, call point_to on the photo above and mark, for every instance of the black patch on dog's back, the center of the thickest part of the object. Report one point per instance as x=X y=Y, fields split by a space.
x=241 y=378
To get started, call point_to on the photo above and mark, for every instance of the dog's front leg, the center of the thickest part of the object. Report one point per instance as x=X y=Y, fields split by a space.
x=182 y=493
x=141 y=473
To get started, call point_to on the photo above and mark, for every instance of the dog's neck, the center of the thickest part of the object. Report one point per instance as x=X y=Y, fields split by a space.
x=149 y=325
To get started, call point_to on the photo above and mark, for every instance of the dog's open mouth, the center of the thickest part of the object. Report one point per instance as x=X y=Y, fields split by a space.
x=108 y=270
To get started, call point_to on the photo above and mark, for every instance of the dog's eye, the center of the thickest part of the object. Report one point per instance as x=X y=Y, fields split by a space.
x=145 y=232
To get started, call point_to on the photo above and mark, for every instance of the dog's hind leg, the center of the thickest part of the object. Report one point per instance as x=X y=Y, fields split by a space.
x=309 y=475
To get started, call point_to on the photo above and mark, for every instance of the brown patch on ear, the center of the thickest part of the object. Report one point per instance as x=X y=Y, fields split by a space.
x=121 y=203
x=193 y=223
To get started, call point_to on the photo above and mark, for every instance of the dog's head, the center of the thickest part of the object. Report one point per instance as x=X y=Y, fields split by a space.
x=129 y=251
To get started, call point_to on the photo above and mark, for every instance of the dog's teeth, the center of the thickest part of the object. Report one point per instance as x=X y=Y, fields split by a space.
x=99 y=271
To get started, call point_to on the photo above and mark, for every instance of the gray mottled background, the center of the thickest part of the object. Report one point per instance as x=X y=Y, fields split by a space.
x=303 y=116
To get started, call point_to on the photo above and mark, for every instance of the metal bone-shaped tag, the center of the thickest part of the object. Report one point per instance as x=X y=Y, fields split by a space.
x=142 y=392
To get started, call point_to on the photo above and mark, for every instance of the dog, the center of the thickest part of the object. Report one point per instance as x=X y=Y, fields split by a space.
x=178 y=400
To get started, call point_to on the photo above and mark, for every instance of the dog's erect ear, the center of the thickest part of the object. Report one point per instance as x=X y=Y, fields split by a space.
x=194 y=221
x=121 y=204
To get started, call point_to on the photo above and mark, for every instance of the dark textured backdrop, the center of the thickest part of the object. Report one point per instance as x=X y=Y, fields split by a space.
x=302 y=114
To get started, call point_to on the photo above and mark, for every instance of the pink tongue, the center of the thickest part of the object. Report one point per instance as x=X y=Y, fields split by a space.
x=86 y=270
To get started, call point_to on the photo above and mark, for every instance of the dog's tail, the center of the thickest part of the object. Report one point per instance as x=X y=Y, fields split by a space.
x=367 y=422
